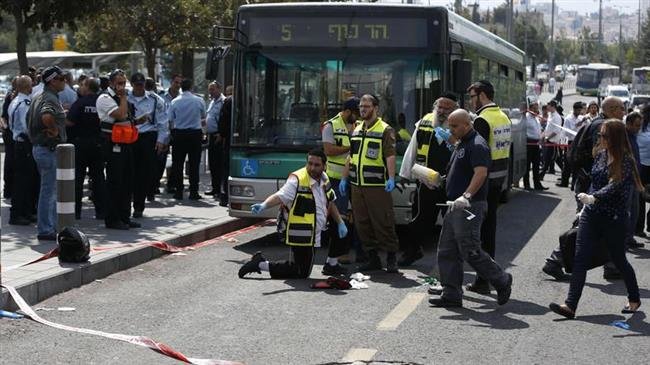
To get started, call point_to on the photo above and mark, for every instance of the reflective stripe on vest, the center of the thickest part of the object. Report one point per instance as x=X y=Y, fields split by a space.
x=336 y=164
x=424 y=134
x=499 y=140
x=301 y=222
x=367 y=166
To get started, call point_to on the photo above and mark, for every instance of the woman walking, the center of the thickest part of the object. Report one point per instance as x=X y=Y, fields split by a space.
x=613 y=177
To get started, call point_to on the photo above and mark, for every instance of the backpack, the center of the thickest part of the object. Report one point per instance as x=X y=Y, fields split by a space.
x=580 y=155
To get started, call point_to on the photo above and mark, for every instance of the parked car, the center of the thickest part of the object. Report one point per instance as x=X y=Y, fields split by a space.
x=638 y=101
x=620 y=91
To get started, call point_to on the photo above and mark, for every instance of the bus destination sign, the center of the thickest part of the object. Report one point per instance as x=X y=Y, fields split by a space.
x=338 y=32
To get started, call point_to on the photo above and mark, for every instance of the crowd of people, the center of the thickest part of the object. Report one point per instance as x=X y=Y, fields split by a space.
x=597 y=149
x=122 y=139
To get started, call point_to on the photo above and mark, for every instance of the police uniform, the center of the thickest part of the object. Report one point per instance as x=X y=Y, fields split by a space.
x=185 y=114
x=372 y=206
x=495 y=127
x=425 y=150
x=25 y=177
x=161 y=163
x=215 y=149
x=119 y=164
x=152 y=131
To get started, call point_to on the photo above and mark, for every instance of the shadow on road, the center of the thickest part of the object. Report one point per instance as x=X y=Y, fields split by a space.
x=638 y=327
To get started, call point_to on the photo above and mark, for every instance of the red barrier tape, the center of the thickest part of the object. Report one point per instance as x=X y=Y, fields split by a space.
x=136 y=340
x=159 y=245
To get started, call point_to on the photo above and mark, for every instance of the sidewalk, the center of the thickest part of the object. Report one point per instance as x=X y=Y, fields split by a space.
x=174 y=222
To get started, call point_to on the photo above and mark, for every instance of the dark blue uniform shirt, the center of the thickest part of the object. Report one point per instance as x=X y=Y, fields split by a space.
x=83 y=113
x=471 y=152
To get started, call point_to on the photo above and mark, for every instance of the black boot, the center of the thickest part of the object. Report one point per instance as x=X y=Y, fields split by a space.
x=373 y=263
x=391 y=263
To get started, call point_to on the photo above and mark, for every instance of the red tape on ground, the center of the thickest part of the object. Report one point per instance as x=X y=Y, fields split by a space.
x=159 y=245
x=136 y=340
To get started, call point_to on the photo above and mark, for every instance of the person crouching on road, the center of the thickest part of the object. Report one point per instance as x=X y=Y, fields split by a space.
x=614 y=176
x=306 y=199
x=460 y=239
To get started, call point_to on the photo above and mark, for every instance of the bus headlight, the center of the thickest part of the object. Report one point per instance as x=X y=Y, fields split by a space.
x=242 y=190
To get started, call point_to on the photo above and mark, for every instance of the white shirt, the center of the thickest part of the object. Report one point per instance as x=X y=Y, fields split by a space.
x=410 y=155
x=570 y=122
x=554 y=126
x=533 y=128
x=106 y=105
x=287 y=194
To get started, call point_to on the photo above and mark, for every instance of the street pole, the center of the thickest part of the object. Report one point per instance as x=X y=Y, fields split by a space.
x=638 y=32
x=600 y=30
x=511 y=20
x=551 y=66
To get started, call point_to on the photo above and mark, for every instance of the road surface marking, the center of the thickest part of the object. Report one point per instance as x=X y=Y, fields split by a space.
x=359 y=355
x=401 y=312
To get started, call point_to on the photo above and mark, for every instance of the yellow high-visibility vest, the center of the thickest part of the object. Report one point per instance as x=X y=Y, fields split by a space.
x=499 y=140
x=336 y=164
x=367 y=165
x=424 y=134
x=301 y=220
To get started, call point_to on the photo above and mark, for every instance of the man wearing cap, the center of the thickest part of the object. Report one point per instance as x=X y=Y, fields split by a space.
x=571 y=124
x=430 y=148
x=186 y=114
x=115 y=114
x=151 y=119
x=46 y=126
x=84 y=132
x=336 y=144
x=495 y=127
x=215 y=139
x=371 y=172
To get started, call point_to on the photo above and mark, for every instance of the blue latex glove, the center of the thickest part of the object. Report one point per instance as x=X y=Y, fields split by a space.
x=258 y=208
x=442 y=133
x=343 y=230
x=343 y=187
x=390 y=185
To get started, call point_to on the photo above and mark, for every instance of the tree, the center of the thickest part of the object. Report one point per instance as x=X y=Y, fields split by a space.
x=644 y=41
x=44 y=15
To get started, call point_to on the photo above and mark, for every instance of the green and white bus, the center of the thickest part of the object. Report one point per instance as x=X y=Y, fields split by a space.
x=593 y=78
x=295 y=64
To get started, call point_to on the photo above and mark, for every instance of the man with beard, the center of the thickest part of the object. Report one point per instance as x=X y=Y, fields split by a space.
x=429 y=148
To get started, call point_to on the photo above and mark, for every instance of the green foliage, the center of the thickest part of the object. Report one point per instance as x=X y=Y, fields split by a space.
x=644 y=46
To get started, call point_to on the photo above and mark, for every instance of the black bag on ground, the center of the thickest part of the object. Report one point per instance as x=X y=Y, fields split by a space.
x=73 y=245
x=599 y=255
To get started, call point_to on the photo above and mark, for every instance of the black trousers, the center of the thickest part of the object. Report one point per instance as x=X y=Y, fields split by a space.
x=89 y=158
x=216 y=162
x=186 y=142
x=532 y=163
x=550 y=156
x=489 y=226
x=119 y=179
x=145 y=172
x=566 y=169
x=8 y=168
x=643 y=221
x=424 y=212
x=226 y=170
x=26 y=182
x=301 y=260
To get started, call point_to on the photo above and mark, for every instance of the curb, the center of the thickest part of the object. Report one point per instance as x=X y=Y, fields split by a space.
x=103 y=264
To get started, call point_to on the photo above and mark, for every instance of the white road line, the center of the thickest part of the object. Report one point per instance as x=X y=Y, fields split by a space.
x=359 y=355
x=401 y=312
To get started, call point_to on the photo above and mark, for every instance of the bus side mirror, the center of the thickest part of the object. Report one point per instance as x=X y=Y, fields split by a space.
x=211 y=65
x=462 y=79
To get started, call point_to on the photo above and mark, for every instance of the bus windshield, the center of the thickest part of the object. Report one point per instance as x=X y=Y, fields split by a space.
x=588 y=76
x=288 y=95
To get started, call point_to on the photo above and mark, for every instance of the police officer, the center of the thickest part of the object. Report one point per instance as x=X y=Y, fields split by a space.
x=466 y=189
x=186 y=113
x=170 y=94
x=494 y=126
x=46 y=124
x=215 y=139
x=151 y=116
x=371 y=172
x=306 y=201
x=25 y=175
x=116 y=114
x=84 y=132
x=430 y=148
x=336 y=144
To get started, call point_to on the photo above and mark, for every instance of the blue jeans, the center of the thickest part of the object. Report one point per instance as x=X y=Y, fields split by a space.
x=46 y=213
x=592 y=227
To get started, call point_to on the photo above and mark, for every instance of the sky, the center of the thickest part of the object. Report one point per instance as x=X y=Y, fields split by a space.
x=581 y=6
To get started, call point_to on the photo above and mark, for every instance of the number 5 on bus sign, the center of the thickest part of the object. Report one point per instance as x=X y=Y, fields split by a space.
x=286 y=32
x=249 y=167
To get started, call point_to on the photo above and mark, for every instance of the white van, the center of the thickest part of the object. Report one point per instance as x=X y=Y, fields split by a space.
x=620 y=91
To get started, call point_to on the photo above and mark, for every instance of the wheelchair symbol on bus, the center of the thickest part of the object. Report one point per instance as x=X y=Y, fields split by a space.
x=249 y=168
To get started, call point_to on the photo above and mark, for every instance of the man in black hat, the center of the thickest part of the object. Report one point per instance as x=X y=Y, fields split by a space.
x=430 y=147
x=151 y=119
x=46 y=124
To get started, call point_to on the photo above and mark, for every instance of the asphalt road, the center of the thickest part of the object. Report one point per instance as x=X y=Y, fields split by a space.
x=197 y=305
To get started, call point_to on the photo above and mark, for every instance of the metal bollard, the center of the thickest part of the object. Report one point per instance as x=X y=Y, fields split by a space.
x=65 y=181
